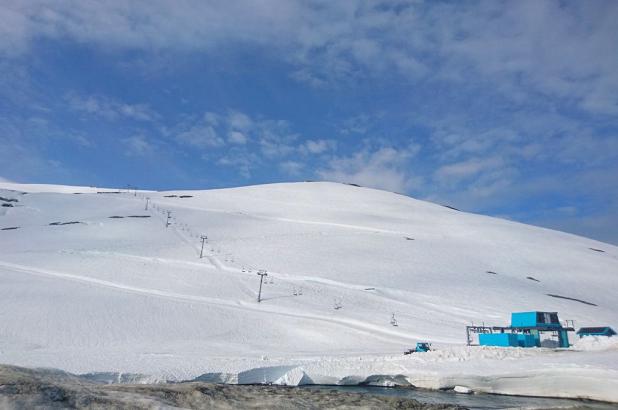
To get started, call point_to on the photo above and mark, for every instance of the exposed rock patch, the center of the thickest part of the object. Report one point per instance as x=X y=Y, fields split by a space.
x=574 y=299
x=25 y=388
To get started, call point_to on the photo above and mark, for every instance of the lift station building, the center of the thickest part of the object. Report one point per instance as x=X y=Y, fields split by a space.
x=596 y=331
x=527 y=329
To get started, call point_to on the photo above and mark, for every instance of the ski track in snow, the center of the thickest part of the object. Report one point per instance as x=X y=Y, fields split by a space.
x=216 y=262
x=365 y=328
x=168 y=261
x=291 y=220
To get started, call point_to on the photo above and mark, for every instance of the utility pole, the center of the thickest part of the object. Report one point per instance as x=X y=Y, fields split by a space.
x=262 y=273
x=204 y=238
x=169 y=215
x=147 y=200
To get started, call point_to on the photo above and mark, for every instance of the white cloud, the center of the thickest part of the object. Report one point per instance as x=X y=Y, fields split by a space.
x=526 y=48
x=15 y=30
x=577 y=190
x=384 y=168
x=203 y=132
x=275 y=138
x=318 y=146
x=138 y=145
x=601 y=226
x=562 y=50
x=237 y=133
x=529 y=160
x=137 y=112
x=292 y=168
x=272 y=147
x=458 y=171
x=81 y=140
x=212 y=118
x=586 y=148
x=240 y=141
x=201 y=136
x=243 y=163
x=236 y=137
x=239 y=121
x=110 y=109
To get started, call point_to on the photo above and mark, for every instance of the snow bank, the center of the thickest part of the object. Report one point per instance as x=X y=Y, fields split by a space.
x=462 y=390
x=566 y=373
x=596 y=343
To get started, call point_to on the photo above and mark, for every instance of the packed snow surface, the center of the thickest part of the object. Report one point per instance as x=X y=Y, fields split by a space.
x=92 y=281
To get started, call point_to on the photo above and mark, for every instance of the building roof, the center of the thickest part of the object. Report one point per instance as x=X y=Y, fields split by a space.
x=598 y=329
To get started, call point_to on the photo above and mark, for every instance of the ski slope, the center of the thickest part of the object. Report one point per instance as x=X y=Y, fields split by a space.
x=127 y=294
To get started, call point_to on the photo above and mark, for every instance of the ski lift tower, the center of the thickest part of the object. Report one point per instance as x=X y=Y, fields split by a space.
x=261 y=273
x=204 y=238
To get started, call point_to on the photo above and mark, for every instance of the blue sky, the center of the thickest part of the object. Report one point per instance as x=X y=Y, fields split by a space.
x=502 y=108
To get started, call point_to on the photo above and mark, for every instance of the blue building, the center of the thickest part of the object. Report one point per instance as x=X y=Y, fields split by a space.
x=507 y=340
x=535 y=319
x=596 y=331
x=527 y=329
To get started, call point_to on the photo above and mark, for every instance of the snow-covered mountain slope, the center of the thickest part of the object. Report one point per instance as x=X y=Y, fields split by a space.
x=118 y=291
